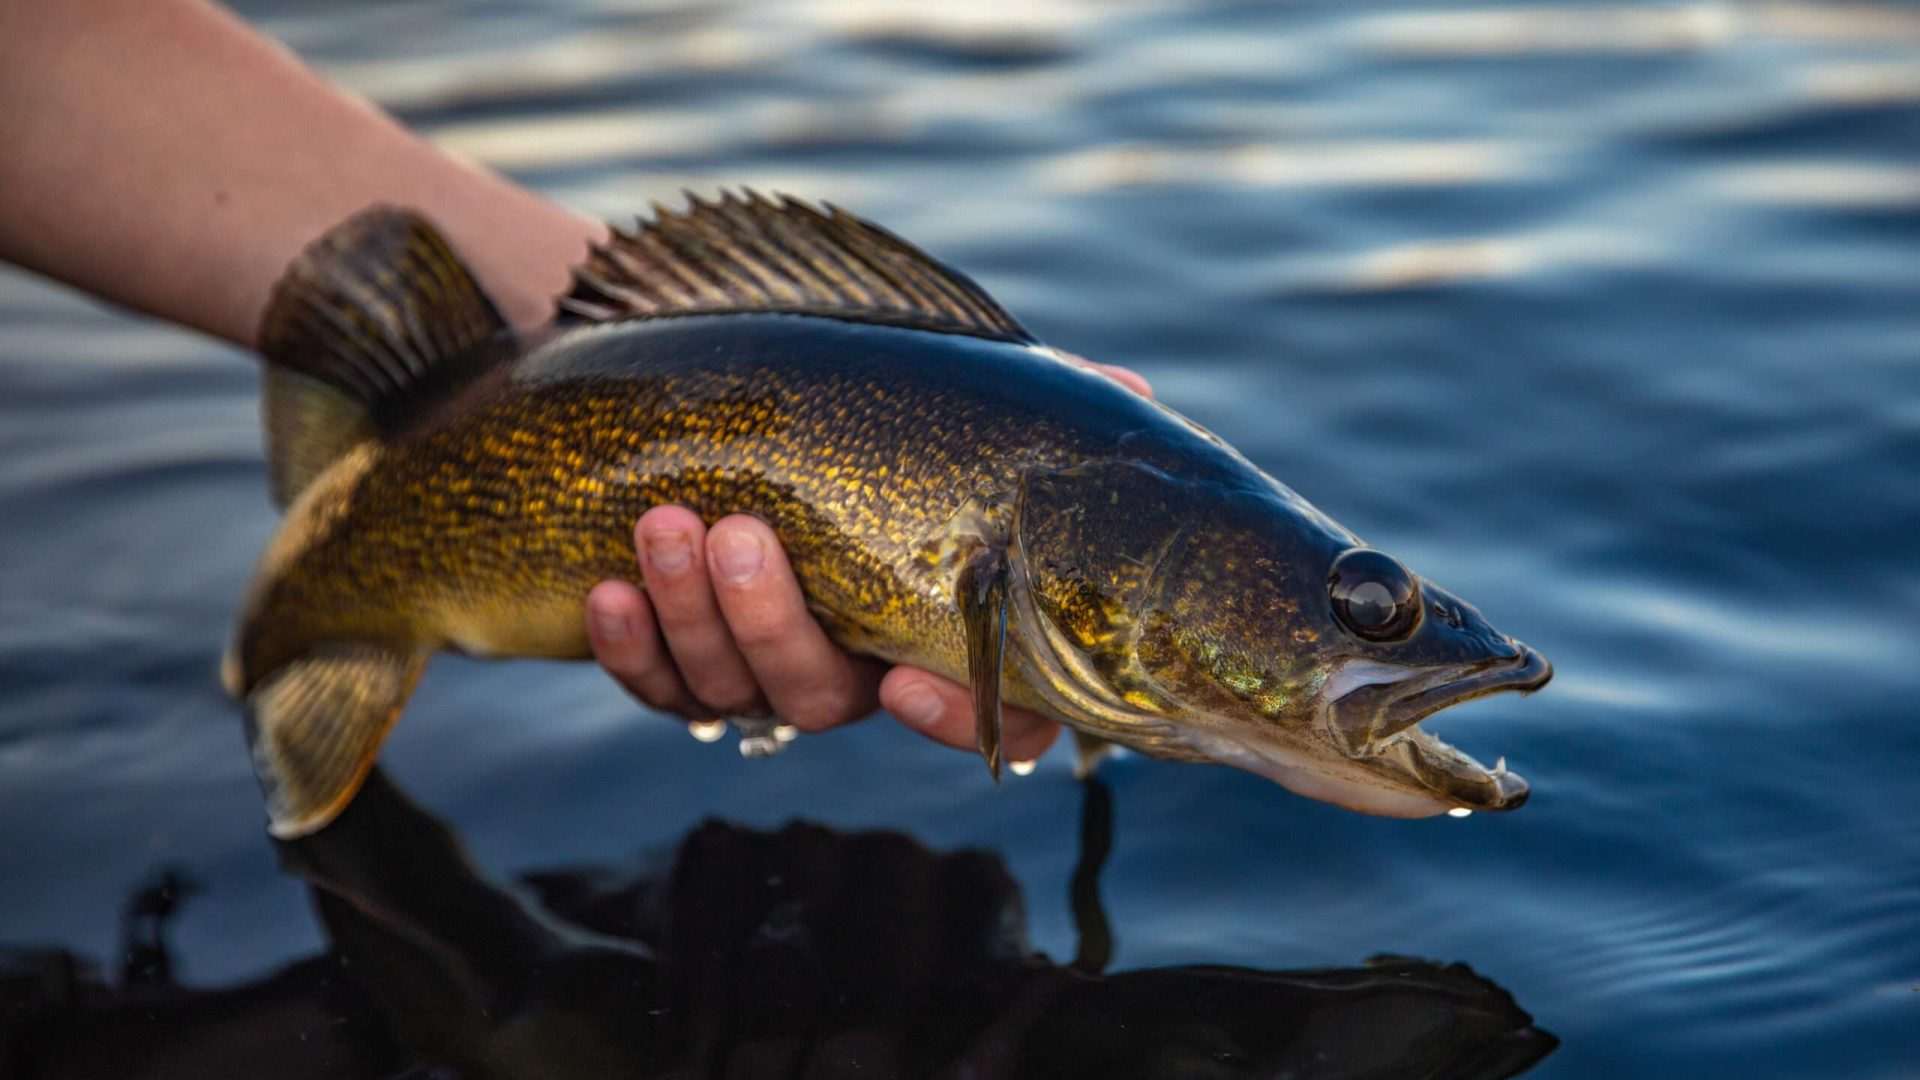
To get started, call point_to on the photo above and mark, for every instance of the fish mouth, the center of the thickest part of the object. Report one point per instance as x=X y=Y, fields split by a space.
x=1378 y=718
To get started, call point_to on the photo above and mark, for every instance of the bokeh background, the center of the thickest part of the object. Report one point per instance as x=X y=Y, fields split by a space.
x=1608 y=317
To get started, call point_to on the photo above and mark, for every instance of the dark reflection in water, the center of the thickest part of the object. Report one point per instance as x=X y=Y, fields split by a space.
x=806 y=952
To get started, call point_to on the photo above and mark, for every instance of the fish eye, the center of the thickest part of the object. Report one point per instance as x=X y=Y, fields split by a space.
x=1373 y=595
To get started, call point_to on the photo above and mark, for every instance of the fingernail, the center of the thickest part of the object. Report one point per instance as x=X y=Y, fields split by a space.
x=613 y=628
x=918 y=704
x=669 y=552
x=738 y=555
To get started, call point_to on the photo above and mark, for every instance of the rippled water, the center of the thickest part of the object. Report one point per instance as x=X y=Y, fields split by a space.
x=1608 y=318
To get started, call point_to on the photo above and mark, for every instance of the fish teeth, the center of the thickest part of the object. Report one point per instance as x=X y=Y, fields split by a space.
x=1023 y=768
x=1500 y=766
x=707 y=731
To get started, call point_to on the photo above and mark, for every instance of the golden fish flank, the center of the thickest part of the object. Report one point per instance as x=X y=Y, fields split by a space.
x=951 y=493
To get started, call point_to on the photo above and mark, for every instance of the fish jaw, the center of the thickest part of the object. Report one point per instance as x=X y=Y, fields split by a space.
x=1366 y=752
x=1372 y=711
x=1317 y=776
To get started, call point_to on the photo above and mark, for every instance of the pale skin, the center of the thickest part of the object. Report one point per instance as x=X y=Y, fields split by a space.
x=165 y=157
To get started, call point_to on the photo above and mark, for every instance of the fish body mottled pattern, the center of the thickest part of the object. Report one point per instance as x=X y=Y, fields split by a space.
x=951 y=495
x=483 y=526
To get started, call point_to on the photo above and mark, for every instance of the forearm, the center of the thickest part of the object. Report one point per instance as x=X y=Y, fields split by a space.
x=160 y=154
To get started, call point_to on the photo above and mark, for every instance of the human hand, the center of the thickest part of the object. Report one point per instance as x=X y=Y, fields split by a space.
x=722 y=630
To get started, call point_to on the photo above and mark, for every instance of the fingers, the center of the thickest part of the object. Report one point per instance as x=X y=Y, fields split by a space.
x=627 y=643
x=1126 y=377
x=672 y=545
x=808 y=680
x=943 y=711
x=723 y=630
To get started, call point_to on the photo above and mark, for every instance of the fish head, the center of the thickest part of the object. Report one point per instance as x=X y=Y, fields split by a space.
x=1240 y=625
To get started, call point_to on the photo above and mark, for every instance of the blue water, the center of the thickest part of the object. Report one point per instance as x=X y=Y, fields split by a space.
x=1607 y=318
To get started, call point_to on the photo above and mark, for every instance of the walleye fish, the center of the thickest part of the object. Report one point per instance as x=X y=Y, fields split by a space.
x=952 y=494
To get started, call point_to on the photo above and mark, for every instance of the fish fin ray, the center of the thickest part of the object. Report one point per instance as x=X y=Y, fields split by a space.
x=316 y=725
x=982 y=590
x=749 y=253
x=1088 y=752
x=309 y=425
x=370 y=324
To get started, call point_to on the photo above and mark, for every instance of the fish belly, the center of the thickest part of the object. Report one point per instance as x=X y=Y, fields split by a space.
x=544 y=628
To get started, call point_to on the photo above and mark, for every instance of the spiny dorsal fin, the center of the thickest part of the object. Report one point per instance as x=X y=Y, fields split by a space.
x=369 y=325
x=749 y=253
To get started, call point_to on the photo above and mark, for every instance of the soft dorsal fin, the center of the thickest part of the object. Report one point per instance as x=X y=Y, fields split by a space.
x=749 y=253
x=368 y=326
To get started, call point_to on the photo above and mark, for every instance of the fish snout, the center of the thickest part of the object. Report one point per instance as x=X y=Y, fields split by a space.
x=1530 y=670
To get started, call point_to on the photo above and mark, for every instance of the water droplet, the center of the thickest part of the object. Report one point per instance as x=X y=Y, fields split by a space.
x=707 y=730
x=1022 y=768
x=1459 y=811
x=759 y=736
x=786 y=733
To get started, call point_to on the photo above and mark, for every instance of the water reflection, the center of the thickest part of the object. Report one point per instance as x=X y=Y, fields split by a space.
x=799 y=953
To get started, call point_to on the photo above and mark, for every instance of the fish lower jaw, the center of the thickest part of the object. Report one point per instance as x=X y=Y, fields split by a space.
x=1456 y=777
x=1455 y=781
x=1428 y=742
x=1319 y=780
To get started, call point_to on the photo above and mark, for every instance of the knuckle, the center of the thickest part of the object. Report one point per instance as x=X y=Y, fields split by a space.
x=816 y=710
x=761 y=627
x=689 y=710
x=655 y=686
x=703 y=649
x=659 y=698
x=729 y=698
x=652 y=682
x=681 y=604
x=658 y=701
x=630 y=669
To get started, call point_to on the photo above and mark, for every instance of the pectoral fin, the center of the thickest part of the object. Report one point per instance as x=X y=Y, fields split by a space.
x=982 y=591
x=315 y=726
